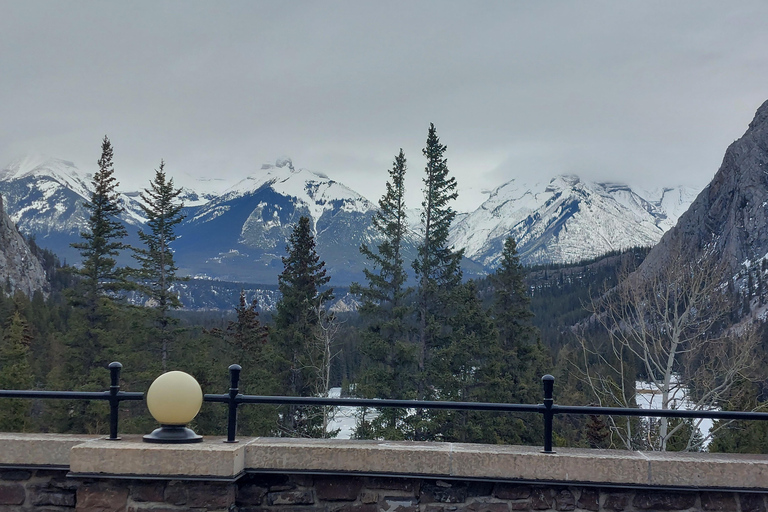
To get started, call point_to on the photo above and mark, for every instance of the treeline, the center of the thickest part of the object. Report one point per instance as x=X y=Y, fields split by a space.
x=443 y=338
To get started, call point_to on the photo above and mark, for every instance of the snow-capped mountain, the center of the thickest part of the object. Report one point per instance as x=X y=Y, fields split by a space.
x=242 y=234
x=567 y=220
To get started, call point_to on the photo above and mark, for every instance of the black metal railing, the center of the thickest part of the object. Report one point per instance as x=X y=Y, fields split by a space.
x=234 y=399
x=548 y=409
x=114 y=396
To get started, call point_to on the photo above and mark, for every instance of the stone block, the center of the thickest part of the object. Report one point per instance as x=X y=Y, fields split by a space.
x=38 y=449
x=542 y=498
x=148 y=491
x=478 y=489
x=338 y=455
x=567 y=465
x=752 y=502
x=13 y=494
x=95 y=497
x=719 y=501
x=512 y=492
x=132 y=456
x=150 y=508
x=520 y=505
x=392 y=484
x=446 y=493
x=654 y=500
x=352 y=507
x=480 y=506
x=251 y=494
x=54 y=497
x=707 y=470
x=176 y=493
x=564 y=500
x=211 y=495
x=398 y=504
x=589 y=499
x=368 y=496
x=617 y=501
x=291 y=498
x=15 y=475
x=338 y=488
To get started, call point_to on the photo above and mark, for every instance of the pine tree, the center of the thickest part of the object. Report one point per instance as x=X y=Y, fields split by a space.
x=102 y=239
x=437 y=265
x=299 y=312
x=389 y=360
x=157 y=271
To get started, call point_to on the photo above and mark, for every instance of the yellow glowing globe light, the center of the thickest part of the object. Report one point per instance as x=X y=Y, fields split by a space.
x=174 y=399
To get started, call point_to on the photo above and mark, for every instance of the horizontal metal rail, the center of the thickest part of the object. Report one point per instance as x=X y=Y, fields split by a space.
x=114 y=396
x=548 y=409
x=234 y=399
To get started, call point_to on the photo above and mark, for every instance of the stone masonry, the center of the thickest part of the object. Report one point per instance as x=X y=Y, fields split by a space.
x=52 y=491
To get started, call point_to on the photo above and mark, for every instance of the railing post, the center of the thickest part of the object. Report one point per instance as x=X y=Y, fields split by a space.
x=234 y=382
x=548 y=381
x=114 y=402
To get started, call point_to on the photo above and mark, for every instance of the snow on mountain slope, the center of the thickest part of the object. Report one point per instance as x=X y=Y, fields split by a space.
x=316 y=192
x=566 y=220
x=244 y=231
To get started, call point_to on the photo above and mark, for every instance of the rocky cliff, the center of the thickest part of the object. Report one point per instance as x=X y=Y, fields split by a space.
x=731 y=213
x=19 y=268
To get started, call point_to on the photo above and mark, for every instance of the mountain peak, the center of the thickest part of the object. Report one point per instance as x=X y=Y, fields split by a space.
x=761 y=116
x=731 y=211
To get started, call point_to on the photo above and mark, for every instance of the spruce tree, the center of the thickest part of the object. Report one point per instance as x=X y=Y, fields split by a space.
x=89 y=338
x=437 y=265
x=248 y=345
x=389 y=360
x=518 y=359
x=102 y=239
x=299 y=312
x=15 y=373
x=157 y=272
x=460 y=369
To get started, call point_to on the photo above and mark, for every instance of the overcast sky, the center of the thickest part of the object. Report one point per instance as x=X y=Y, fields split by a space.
x=649 y=93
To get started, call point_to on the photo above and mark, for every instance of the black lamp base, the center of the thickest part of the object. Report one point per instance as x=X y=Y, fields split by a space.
x=174 y=434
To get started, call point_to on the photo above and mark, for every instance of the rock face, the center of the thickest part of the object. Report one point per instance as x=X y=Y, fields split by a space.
x=731 y=213
x=18 y=266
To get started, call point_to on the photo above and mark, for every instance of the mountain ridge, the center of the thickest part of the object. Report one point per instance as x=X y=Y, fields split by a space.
x=240 y=233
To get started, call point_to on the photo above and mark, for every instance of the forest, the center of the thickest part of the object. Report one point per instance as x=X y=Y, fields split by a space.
x=442 y=338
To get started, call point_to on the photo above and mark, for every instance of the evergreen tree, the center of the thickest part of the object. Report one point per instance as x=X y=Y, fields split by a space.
x=15 y=373
x=89 y=335
x=102 y=239
x=461 y=369
x=248 y=345
x=389 y=359
x=518 y=359
x=299 y=312
x=157 y=271
x=437 y=266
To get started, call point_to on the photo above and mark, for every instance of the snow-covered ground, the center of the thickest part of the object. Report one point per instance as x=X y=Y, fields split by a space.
x=649 y=397
x=344 y=419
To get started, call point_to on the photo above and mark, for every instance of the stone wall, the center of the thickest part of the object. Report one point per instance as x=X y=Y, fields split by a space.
x=53 y=491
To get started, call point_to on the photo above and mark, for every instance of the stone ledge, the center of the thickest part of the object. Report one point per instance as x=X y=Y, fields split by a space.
x=215 y=460
x=132 y=457
x=46 y=450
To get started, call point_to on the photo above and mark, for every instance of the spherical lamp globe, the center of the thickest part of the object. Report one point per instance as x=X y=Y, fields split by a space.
x=174 y=399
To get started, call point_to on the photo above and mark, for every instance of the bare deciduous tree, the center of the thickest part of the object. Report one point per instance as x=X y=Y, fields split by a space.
x=671 y=324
